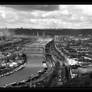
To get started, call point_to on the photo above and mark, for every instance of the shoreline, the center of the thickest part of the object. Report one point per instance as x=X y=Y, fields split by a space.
x=15 y=70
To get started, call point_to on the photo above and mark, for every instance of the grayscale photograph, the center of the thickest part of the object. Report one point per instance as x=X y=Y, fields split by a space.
x=45 y=46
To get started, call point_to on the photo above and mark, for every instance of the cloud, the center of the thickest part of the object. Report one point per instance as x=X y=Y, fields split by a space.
x=33 y=7
x=87 y=9
x=66 y=16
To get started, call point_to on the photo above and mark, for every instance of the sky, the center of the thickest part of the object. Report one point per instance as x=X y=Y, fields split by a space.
x=46 y=16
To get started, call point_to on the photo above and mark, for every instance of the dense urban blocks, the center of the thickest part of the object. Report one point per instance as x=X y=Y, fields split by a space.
x=67 y=59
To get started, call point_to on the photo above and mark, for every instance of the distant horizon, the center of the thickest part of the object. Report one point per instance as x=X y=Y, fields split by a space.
x=45 y=28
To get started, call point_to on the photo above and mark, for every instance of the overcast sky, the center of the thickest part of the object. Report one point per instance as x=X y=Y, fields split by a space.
x=34 y=7
x=46 y=16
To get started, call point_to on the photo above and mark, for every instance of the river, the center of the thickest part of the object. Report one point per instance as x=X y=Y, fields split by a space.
x=33 y=65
